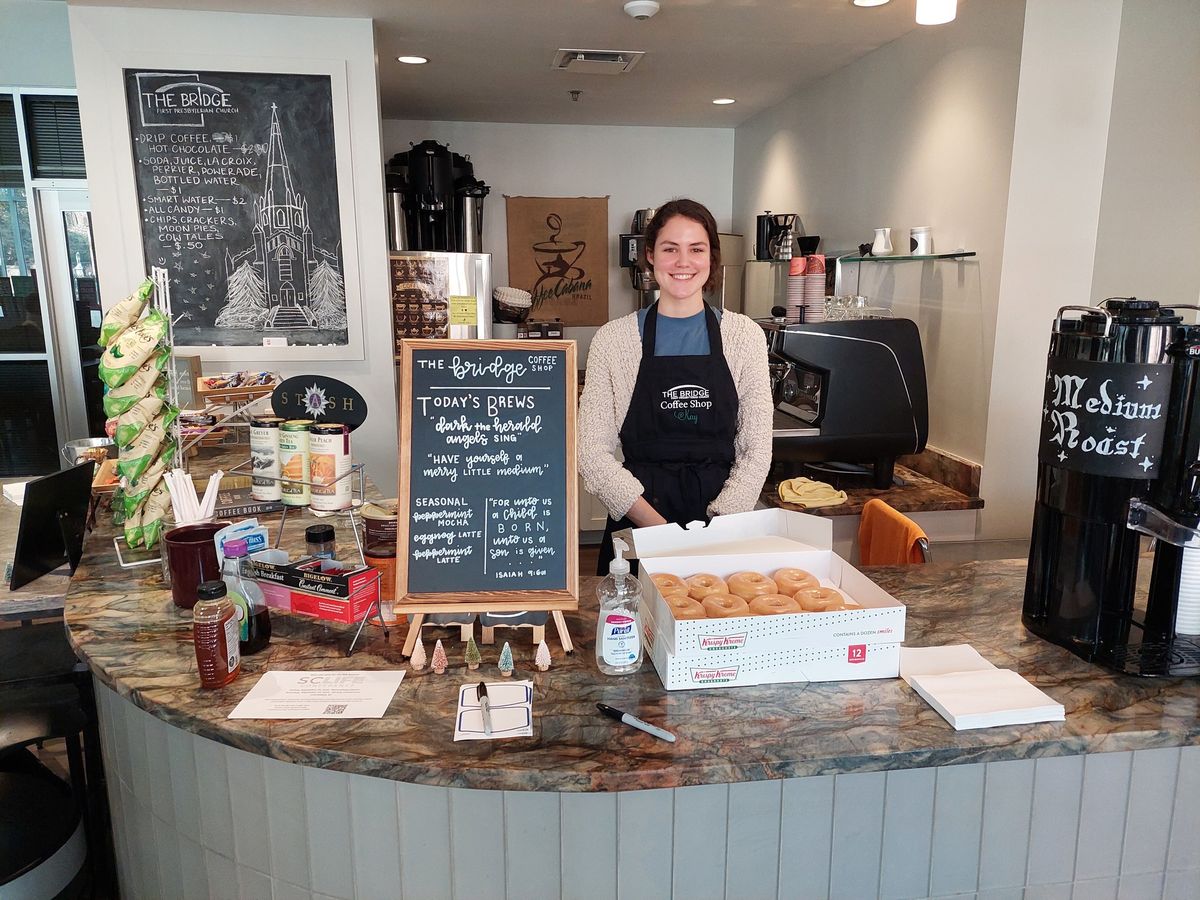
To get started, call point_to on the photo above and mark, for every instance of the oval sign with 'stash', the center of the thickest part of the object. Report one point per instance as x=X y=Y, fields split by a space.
x=319 y=398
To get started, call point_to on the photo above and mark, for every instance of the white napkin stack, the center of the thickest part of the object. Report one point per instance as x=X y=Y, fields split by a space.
x=970 y=692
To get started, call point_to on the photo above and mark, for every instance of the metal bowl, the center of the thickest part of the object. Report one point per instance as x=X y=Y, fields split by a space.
x=95 y=449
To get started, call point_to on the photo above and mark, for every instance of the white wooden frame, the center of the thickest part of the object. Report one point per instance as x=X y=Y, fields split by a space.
x=336 y=70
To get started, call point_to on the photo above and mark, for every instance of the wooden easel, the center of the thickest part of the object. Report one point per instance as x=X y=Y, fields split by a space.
x=539 y=631
x=555 y=601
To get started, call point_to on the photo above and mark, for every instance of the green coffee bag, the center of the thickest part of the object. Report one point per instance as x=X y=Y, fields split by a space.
x=125 y=313
x=147 y=381
x=132 y=348
x=130 y=424
x=154 y=514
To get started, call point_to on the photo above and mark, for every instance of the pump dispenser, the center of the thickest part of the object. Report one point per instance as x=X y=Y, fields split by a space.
x=619 y=626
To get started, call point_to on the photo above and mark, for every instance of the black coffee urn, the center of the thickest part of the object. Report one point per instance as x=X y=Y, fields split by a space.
x=435 y=202
x=1117 y=457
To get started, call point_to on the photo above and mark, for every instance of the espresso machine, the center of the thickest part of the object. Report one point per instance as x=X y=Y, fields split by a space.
x=435 y=202
x=848 y=392
x=1118 y=457
x=632 y=256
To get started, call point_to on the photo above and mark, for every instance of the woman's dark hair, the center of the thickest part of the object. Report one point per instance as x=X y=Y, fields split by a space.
x=699 y=214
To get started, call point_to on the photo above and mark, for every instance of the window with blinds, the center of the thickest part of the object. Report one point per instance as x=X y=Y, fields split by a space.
x=10 y=147
x=55 y=139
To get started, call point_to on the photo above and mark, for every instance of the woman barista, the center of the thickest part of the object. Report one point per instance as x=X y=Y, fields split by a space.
x=682 y=391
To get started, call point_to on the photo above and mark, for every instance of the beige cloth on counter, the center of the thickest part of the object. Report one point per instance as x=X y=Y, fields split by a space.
x=809 y=493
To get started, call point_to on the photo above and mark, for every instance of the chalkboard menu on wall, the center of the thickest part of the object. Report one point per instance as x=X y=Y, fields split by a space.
x=487 y=474
x=1104 y=418
x=237 y=190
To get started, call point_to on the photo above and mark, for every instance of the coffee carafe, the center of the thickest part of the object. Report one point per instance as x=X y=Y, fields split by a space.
x=1119 y=454
x=781 y=237
x=773 y=238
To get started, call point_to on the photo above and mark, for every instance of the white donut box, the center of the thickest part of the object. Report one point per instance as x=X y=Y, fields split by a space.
x=745 y=650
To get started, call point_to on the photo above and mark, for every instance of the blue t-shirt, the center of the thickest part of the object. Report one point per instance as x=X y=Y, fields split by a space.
x=679 y=337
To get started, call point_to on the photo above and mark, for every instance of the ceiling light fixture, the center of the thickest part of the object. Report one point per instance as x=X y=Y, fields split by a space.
x=936 y=12
x=724 y=101
x=412 y=60
x=870 y=2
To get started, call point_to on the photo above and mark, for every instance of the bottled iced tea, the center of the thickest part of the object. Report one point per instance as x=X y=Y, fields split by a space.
x=215 y=633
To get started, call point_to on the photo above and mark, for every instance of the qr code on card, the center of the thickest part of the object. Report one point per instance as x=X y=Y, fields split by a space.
x=335 y=709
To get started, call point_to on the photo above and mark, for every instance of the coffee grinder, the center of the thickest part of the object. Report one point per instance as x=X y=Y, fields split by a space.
x=1117 y=457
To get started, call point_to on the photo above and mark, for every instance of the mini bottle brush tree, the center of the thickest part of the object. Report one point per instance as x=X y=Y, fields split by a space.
x=472 y=655
x=506 y=661
x=417 y=660
x=542 y=659
x=439 y=659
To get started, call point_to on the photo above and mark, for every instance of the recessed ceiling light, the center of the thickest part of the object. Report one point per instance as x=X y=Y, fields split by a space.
x=936 y=12
x=724 y=101
x=870 y=2
x=412 y=60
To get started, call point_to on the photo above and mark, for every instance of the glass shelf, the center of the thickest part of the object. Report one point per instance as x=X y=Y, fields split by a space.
x=904 y=257
x=895 y=258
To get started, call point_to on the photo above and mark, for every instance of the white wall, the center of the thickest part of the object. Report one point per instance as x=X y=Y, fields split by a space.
x=106 y=39
x=35 y=44
x=1150 y=205
x=634 y=166
x=918 y=132
x=1068 y=63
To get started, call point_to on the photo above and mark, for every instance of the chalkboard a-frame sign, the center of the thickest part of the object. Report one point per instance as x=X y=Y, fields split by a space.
x=488 y=492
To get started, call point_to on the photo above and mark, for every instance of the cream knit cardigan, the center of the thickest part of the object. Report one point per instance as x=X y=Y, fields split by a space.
x=612 y=368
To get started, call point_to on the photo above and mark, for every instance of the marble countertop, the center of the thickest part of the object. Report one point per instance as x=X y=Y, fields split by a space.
x=915 y=493
x=136 y=642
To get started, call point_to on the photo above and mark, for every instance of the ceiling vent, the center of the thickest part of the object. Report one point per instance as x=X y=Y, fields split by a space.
x=596 y=62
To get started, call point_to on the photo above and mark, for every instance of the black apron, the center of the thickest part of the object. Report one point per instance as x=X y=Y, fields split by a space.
x=678 y=434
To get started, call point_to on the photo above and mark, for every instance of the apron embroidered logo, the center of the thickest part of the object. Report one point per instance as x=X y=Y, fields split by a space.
x=684 y=400
x=686 y=396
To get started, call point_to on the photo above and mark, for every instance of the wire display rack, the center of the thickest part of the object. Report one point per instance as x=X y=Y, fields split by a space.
x=358 y=491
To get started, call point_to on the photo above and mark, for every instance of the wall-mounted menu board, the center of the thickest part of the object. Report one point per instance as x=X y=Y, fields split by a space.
x=237 y=184
x=487 y=476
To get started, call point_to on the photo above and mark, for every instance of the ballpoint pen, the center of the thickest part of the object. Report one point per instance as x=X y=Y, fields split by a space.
x=635 y=722
x=485 y=706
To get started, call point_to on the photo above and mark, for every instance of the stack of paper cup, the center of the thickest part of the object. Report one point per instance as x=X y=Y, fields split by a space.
x=795 y=288
x=1187 y=612
x=814 y=289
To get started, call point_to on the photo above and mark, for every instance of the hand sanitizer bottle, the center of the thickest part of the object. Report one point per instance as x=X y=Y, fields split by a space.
x=619 y=626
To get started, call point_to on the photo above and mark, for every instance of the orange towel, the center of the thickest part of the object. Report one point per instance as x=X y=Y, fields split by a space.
x=887 y=537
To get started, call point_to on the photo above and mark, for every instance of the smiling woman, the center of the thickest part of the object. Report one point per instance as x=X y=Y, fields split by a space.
x=680 y=389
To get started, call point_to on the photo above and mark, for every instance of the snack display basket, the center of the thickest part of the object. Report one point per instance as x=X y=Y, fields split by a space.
x=224 y=396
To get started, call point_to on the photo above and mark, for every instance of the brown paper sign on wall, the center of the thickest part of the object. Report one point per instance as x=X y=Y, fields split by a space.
x=558 y=251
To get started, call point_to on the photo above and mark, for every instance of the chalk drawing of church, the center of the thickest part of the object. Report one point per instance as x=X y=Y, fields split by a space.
x=283 y=282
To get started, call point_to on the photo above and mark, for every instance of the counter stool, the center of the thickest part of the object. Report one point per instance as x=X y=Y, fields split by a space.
x=40 y=678
x=43 y=845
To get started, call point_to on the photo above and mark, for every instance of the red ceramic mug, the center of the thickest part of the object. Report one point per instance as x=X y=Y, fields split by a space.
x=192 y=558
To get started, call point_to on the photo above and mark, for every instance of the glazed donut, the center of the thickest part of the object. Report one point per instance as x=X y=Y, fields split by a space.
x=774 y=604
x=842 y=606
x=673 y=600
x=686 y=607
x=792 y=580
x=722 y=606
x=820 y=599
x=669 y=584
x=749 y=585
x=700 y=586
